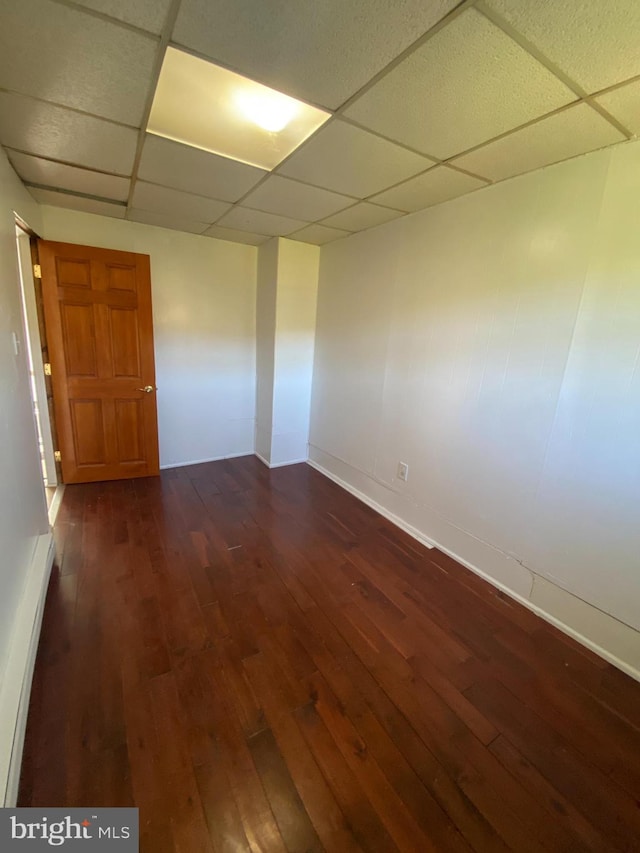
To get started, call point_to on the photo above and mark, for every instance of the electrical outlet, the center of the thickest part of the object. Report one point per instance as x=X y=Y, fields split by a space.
x=403 y=471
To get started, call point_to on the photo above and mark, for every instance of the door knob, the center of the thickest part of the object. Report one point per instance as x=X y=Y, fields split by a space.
x=147 y=389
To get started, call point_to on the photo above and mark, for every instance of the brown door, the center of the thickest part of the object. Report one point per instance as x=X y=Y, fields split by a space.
x=97 y=306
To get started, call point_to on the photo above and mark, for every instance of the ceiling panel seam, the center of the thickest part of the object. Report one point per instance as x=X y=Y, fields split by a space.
x=89 y=169
x=451 y=160
x=475 y=175
x=102 y=16
x=169 y=24
x=386 y=138
x=74 y=193
x=60 y=106
x=413 y=47
x=543 y=59
x=607 y=115
x=627 y=82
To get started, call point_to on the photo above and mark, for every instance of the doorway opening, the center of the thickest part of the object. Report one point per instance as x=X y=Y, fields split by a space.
x=37 y=357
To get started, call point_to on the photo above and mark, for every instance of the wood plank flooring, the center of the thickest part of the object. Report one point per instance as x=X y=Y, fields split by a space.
x=259 y=662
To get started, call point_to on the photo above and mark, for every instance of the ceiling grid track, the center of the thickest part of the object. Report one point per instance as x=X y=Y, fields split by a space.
x=499 y=21
x=172 y=14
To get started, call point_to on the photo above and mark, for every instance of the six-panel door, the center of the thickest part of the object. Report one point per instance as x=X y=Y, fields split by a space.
x=98 y=314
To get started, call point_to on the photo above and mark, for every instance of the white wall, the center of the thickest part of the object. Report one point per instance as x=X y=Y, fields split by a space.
x=295 y=337
x=492 y=343
x=23 y=515
x=24 y=536
x=286 y=308
x=267 y=288
x=204 y=294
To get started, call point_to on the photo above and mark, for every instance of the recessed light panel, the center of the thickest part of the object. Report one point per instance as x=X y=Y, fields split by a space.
x=200 y=104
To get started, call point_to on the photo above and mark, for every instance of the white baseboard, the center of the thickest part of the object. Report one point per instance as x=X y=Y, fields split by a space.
x=623 y=650
x=16 y=687
x=261 y=458
x=288 y=462
x=279 y=464
x=566 y=628
x=383 y=511
x=55 y=503
x=202 y=461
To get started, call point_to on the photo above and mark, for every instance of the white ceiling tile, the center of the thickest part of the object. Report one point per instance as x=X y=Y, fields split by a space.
x=196 y=171
x=259 y=222
x=147 y=14
x=347 y=159
x=81 y=61
x=467 y=84
x=61 y=134
x=234 y=236
x=177 y=203
x=318 y=234
x=360 y=216
x=571 y=132
x=624 y=104
x=593 y=41
x=51 y=174
x=166 y=220
x=436 y=185
x=291 y=198
x=322 y=52
x=76 y=202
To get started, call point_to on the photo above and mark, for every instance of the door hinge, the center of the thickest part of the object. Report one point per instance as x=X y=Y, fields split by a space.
x=37 y=271
x=47 y=369
x=57 y=456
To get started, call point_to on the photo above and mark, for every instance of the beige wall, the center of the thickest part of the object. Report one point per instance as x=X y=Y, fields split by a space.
x=265 y=345
x=23 y=514
x=204 y=293
x=298 y=265
x=492 y=344
x=287 y=296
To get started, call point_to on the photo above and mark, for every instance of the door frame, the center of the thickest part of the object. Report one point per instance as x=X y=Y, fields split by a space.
x=33 y=319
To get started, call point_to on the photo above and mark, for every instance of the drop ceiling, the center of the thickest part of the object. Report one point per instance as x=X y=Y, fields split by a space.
x=427 y=100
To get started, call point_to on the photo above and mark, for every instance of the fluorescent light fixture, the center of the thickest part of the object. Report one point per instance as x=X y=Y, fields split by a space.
x=271 y=111
x=200 y=104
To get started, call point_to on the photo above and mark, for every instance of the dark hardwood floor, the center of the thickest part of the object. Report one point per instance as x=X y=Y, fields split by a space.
x=259 y=662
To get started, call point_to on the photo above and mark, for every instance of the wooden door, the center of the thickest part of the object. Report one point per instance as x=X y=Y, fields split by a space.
x=97 y=306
